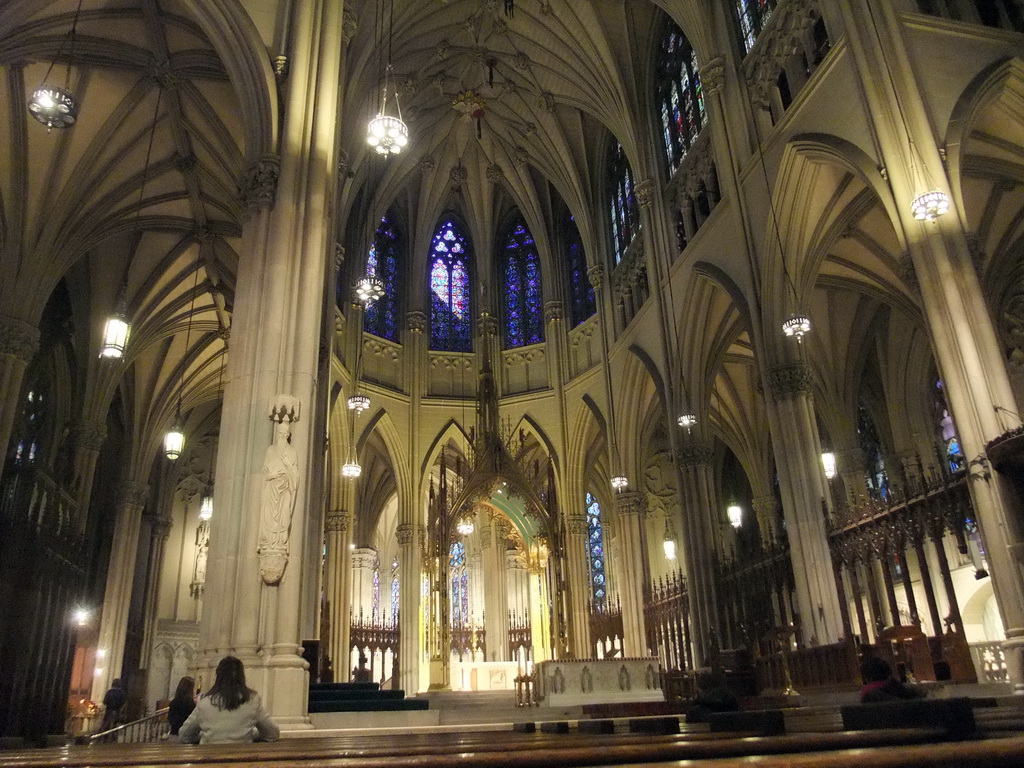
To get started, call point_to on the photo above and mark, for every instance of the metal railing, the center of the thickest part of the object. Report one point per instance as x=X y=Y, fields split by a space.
x=989 y=662
x=150 y=728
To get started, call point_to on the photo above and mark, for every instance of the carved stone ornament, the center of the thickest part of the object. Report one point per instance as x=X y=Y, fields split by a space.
x=487 y=325
x=337 y=521
x=782 y=37
x=459 y=174
x=90 y=436
x=339 y=256
x=645 y=192
x=765 y=506
x=908 y=273
x=280 y=488
x=427 y=163
x=416 y=322
x=259 y=184
x=712 y=75
x=576 y=525
x=495 y=174
x=280 y=67
x=405 y=533
x=349 y=24
x=596 y=275
x=18 y=338
x=695 y=455
x=553 y=311
x=132 y=494
x=789 y=380
x=521 y=154
x=630 y=503
x=160 y=526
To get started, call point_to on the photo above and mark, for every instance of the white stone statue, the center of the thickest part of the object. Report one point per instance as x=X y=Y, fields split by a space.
x=277 y=498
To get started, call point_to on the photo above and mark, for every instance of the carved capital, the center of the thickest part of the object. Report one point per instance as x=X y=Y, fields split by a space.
x=908 y=273
x=712 y=75
x=427 y=164
x=521 y=155
x=765 y=506
x=160 y=527
x=553 y=311
x=339 y=256
x=495 y=174
x=132 y=494
x=259 y=184
x=694 y=455
x=405 y=533
x=89 y=436
x=349 y=24
x=337 y=521
x=596 y=275
x=284 y=407
x=790 y=380
x=416 y=322
x=630 y=503
x=645 y=192
x=487 y=325
x=576 y=525
x=503 y=528
x=459 y=175
x=18 y=338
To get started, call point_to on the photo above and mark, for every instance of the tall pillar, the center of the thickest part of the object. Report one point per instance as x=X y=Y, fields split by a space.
x=89 y=439
x=496 y=590
x=540 y=612
x=273 y=371
x=364 y=563
x=576 y=561
x=19 y=343
x=766 y=508
x=801 y=480
x=629 y=579
x=409 y=613
x=159 y=531
x=131 y=498
x=929 y=589
x=336 y=588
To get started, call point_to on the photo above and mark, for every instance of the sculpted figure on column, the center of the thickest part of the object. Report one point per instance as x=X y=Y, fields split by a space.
x=277 y=500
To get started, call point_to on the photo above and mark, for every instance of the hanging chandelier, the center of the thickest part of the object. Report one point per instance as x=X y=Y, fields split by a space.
x=116 y=330
x=51 y=105
x=174 y=440
x=930 y=205
x=465 y=526
x=369 y=288
x=358 y=403
x=206 y=505
x=619 y=482
x=687 y=420
x=735 y=512
x=797 y=325
x=351 y=469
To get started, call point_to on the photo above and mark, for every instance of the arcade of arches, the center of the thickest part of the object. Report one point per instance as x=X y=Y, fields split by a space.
x=605 y=213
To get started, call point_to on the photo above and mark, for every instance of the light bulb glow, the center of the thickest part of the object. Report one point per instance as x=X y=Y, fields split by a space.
x=735 y=513
x=81 y=616
x=687 y=420
x=387 y=134
x=115 y=337
x=465 y=525
x=619 y=482
x=351 y=470
x=358 y=403
x=797 y=325
x=930 y=205
x=828 y=462
x=670 y=549
x=174 y=442
x=206 y=507
x=53 y=107
x=370 y=288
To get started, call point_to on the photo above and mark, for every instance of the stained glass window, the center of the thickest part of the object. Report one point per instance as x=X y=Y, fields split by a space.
x=950 y=441
x=876 y=477
x=581 y=292
x=625 y=214
x=449 y=289
x=376 y=594
x=679 y=94
x=460 y=584
x=595 y=552
x=523 y=298
x=382 y=261
x=752 y=15
x=394 y=588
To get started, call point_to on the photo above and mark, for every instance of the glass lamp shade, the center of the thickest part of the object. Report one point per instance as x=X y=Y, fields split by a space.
x=386 y=134
x=351 y=470
x=465 y=525
x=619 y=482
x=358 y=403
x=206 y=507
x=687 y=420
x=174 y=441
x=735 y=513
x=53 y=107
x=115 y=336
x=670 y=549
x=930 y=205
x=369 y=289
x=828 y=462
x=797 y=326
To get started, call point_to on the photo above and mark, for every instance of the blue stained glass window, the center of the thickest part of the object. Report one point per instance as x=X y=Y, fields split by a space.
x=595 y=552
x=624 y=210
x=581 y=292
x=752 y=15
x=449 y=290
x=460 y=584
x=376 y=594
x=523 y=297
x=679 y=94
x=382 y=260
x=394 y=596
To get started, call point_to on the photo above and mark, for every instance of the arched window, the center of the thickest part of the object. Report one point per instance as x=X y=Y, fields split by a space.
x=581 y=292
x=625 y=215
x=520 y=268
x=595 y=553
x=752 y=15
x=680 y=95
x=449 y=289
x=460 y=584
x=381 y=317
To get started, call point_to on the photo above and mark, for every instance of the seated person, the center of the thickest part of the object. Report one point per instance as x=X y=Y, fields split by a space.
x=229 y=712
x=713 y=695
x=880 y=685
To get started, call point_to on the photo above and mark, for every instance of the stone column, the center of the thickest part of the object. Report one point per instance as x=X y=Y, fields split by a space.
x=540 y=613
x=159 y=531
x=274 y=370
x=495 y=589
x=929 y=588
x=700 y=537
x=131 y=498
x=766 y=508
x=409 y=612
x=801 y=480
x=364 y=562
x=336 y=588
x=19 y=343
x=629 y=579
x=580 y=590
x=88 y=437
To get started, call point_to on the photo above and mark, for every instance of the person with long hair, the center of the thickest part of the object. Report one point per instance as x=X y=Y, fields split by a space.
x=182 y=704
x=229 y=712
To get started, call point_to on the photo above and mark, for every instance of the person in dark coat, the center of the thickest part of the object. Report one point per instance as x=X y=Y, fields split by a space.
x=182 y=704
x=113 y=703
x=880 y=685
x=713 y=695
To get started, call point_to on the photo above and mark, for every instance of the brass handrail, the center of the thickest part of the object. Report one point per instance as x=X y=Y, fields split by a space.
x=150 y=728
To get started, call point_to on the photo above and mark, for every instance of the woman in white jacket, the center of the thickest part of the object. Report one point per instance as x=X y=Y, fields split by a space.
x=229 y=712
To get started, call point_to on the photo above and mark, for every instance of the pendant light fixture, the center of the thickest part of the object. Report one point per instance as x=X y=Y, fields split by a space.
x=619 y=482
x=387 y=134
x=51 y=105
x=117 y=328
x=174 y=440
x=686 y=421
